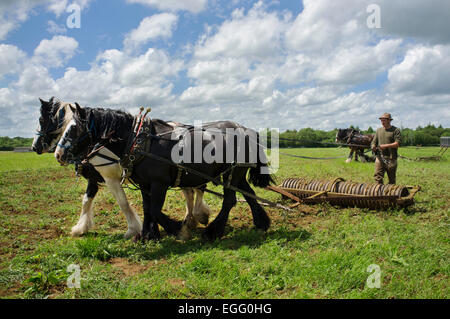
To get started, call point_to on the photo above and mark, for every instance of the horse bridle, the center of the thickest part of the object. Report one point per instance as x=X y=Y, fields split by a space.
x=350 y=136
x=90 y=133
x=52 y=129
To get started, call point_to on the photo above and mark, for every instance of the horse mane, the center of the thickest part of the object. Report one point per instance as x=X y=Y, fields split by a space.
x=57 y=112
x=109 y=122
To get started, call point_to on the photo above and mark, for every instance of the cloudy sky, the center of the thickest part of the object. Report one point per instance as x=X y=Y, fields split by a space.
x=280 y=64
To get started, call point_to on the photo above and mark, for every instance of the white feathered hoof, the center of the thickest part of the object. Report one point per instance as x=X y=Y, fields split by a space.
x=79 y=230
x=184 y=233
x=190 y=223
x=131 y=233
x=203 y=218
x=348 y=160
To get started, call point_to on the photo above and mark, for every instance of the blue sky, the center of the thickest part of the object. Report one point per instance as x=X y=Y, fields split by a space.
x=280 y=64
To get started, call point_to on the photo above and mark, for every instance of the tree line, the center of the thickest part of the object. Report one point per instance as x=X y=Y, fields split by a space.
x=9 y=143
x=305 y=137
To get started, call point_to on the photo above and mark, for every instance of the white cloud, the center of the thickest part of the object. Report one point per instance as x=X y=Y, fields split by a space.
x=324 y=25
x=426 y=21
x=194 y=6
x=424 y=71
x=56 y=51
x=35 y=80
x=219 y=70
x=357 y=64
x=60 y=6
x=54 y=28
x=150 y=28
x=260 y=67
x=256 y=35
x=14 y=12
x=116 y=78
x=11 y=59
x=153 y=66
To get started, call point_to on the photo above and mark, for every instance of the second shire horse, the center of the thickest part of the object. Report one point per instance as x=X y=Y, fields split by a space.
x=55 y=116
x=361 y=141
x=156 y=171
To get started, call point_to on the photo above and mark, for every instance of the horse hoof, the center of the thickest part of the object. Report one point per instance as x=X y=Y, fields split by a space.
x=207 y=236
x=263 y=224
x=78 y=231
x=137 y=238
x=130 y=233
x=211 y=233
x=184 y=234
x=203 y=219
x=145 y=237
x=176 y=228
x=190 y=223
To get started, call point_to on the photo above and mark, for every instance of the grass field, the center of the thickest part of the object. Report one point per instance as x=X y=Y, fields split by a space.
x=316 y=251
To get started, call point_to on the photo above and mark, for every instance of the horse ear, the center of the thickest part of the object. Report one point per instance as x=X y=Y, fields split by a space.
x=80 y=112
x=72 y=108
x=51 y=100
x=45 y=106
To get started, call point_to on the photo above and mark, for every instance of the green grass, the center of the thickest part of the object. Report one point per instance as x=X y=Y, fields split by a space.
x=316 y=251
x=12 y=161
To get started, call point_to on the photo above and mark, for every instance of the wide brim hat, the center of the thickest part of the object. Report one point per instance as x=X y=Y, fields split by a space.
x=386 y=116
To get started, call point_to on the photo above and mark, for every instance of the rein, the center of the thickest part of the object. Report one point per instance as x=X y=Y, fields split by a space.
x=214 y=180
x=52 y=129
x=88 y=134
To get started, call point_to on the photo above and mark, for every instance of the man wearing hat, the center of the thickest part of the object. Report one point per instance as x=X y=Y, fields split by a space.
x=387 y=139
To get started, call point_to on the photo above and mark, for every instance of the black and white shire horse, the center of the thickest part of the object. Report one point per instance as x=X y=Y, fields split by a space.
x=362 y=141
x=111 y=128
x=53 y=121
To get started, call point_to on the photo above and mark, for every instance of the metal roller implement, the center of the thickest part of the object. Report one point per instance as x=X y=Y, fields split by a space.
x=347 y=193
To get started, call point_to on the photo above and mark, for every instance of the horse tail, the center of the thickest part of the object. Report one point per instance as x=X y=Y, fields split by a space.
x=259 y=176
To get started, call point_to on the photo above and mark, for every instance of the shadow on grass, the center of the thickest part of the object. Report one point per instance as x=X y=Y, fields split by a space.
x=104 y=246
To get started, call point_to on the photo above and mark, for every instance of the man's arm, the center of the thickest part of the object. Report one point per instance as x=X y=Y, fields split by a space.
x=392 y=145
x=374 y=143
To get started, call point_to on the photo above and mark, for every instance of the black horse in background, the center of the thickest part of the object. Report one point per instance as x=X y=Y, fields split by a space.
x=361 y=141
x=111 y=128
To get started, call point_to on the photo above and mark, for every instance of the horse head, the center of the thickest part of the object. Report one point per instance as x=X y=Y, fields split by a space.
x=75 y=139
x=341 y=135
x=54 y=116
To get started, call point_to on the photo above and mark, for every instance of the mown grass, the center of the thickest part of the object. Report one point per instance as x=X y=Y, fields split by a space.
x=12 y=161
x=316 y=251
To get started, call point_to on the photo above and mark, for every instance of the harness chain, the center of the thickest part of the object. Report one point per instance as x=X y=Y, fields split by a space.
x=214 y=180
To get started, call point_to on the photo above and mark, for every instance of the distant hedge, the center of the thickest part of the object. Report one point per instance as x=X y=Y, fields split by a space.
x=308 y=137
x=8 y=143
x=305 y=137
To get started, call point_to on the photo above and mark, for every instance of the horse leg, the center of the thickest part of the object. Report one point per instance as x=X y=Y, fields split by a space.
x=350 y=156
x=201 y=209
x=260 y=218
x=86 y=220
x=362 y=156
x=189 y=221
x=216 y=228
x=158 y=192
x=150 y=228
x=356 y=155
x=133 y=220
